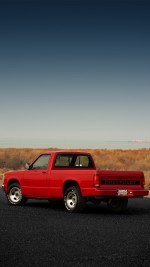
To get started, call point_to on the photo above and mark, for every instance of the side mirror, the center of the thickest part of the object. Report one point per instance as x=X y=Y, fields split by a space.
x=27 y=166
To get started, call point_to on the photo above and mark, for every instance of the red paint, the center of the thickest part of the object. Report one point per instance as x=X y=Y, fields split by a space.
x=49 y=182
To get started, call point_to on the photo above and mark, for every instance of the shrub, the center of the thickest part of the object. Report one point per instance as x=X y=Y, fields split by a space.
x=105 y=159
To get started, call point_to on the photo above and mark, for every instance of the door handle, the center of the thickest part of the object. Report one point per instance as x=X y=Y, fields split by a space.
x=44 y=172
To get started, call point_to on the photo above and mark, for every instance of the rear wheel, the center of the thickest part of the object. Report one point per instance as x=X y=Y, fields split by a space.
x=14 y=195
x=73 y=200
x=117 y=204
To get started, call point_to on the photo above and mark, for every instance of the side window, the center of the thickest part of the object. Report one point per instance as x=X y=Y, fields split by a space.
x=82 y=161
x=63 y=160
x=73 y=161
x=41 y=163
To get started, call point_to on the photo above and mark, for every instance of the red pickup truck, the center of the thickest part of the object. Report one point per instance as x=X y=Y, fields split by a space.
x=72 y=176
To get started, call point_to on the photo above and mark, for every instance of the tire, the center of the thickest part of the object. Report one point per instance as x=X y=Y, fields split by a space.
x=14 y=195
x=117 y=204
x=73 y=200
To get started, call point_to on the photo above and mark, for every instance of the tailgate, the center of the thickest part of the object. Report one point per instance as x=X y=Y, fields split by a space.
x=121 y=179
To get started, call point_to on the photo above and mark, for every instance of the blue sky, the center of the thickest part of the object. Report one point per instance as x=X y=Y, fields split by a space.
x=75 y=71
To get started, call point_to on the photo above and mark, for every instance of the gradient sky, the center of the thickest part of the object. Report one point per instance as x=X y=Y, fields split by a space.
x=75 y=71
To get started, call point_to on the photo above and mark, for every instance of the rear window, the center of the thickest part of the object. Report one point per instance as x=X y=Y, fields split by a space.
x=73 y=161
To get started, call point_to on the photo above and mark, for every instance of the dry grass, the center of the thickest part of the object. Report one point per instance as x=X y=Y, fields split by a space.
x=117 y=159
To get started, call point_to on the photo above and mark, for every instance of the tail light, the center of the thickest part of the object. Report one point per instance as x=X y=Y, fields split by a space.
x=143 y=181
x=96 y=181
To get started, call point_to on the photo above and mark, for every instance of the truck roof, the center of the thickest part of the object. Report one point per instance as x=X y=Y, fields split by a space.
x=65 y=152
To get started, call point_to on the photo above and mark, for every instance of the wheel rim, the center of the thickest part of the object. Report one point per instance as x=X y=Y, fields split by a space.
x=71 y=200
x=15 y=195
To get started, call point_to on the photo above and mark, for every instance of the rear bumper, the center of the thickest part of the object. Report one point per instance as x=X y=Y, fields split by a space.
x=114 y=193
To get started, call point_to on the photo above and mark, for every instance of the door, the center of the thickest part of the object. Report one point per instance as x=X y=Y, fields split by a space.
x=35 y=182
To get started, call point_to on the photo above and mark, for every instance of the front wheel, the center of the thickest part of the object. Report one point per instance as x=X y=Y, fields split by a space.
x=14 y=195
x=73 y=200
x=117 y=204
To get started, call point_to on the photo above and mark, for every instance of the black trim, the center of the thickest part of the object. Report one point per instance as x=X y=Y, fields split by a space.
x=124 y=182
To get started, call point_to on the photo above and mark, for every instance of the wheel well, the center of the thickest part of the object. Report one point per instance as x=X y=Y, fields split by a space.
x=69 y=183
x=12 y=181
